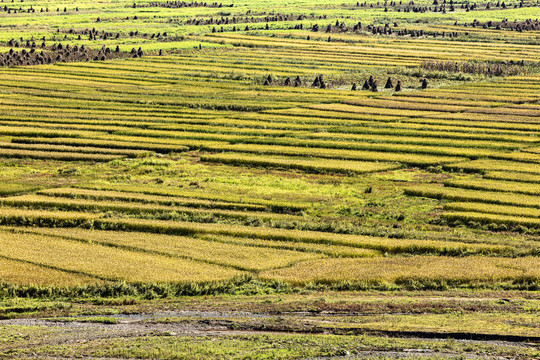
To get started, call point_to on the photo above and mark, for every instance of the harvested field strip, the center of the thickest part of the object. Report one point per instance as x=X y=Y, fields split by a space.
x=75 y=193
x=370 y=110
x=81 y=143
x=473 y=96
x=66 y=127
x=37 y=118
x=326 y=249
x=519 y=156
x=160 y=145
x=421 y=138
x=24 y=273
x=198 y=144
x=16 y=188
x=460 y=271
x=237 y=256
x=196 y=100
x=489 y=197
x=46 y=202
x=387 y=103
x=535 y=150
x=93 y=107
x=388 y=126
x=494 y=89
x=495 y=185
x=484 y=165
x=493 y=209
x=392 y=246
x=392 y=52
x=45 y=218
x=369 y=43
x=346 y=140
x=512 y=176
x=242 y=200
x=193 y=96
x=426 y=44
x=463 y=108
x=490 y=118
x=472 y=153
x=46 y=133
x=435 y=122
x=309 y=165
x=342 y=112
x=314 y=54
x=485 y=120
x=81 y=149
x=105 y=262
x=486 y=218
x=404 y=133
x=94 y=110
x=180 y=135
x=404 y=97
x=346 y=132
x=56 y=155
x=410 y=159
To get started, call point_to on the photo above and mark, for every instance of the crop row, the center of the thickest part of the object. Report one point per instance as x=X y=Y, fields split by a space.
x=45 y=202
x=43 y=218
x=486 y=218
x=488 y=165
x=493 y=209
x=326 y=249
x=349 y=112
x=124 y=147
x=524 y=123
x=56 y=155
x=305 y=164
x=361 y=130
x=7 y=188
x=73 y=149
x=472 y=153
x=123 y=113
x=335 y=132
x=308 y=50
x=473 y=95
x=350 y=143
x=512 y=176
x=436 y=107
x=465 y=195
x=241 y=200
x=409 y=159
x=495 y=185
x=77 y=193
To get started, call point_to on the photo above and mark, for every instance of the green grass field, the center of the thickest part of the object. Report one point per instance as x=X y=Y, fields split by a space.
x=170 y=149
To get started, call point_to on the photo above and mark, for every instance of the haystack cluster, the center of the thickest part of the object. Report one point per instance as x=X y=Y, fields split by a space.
x=287 y=82
x=225 y=20
x=59 y=53
x=527 y=25
x=180 y=4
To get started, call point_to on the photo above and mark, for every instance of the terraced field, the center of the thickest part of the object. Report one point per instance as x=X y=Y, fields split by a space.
x=191 y=143
x=160 y=149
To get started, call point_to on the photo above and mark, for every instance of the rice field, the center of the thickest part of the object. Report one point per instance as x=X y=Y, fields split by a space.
x=218 y=142
x=380 y=270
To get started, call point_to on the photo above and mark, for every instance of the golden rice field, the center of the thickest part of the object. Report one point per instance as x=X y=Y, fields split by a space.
x=218 y=154
x=410 y=269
